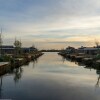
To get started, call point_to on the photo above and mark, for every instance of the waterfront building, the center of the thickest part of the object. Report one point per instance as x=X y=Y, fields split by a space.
x=29 y=49
x=10 y=49
x=88 y=50
x=7 y=49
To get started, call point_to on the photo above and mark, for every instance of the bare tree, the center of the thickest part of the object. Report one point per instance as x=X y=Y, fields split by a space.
x=17 y=45
x=97 y=43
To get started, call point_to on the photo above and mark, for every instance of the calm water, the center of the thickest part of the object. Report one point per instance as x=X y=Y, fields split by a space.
x=50 y=78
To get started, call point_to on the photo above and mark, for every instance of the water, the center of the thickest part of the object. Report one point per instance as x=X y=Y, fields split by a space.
x=50 y=78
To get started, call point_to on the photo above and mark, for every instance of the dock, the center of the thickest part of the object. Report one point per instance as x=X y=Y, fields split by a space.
x=4 y=64
x=79 y=58
x=88 y=61
x=4 y=67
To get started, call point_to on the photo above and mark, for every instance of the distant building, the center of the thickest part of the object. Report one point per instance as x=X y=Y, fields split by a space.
x=7 y=49
x=81 y=49
x=10 y=49
x=28 y=49
x=88 y=50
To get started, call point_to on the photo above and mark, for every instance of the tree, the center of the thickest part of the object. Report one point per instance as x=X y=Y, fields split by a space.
x=97 y=43
x=17 y=45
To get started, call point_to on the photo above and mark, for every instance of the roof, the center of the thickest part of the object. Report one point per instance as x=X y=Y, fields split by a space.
x=90 y=48
x=30 y=48
x=7 y=47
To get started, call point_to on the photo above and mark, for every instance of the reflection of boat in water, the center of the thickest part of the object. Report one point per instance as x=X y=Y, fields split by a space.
x=18 y=74
x=88 y=64
x=97 y=72
x=98 y=81
x=1 y=78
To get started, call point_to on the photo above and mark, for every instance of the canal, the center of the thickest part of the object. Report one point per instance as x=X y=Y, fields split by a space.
x=50 y=78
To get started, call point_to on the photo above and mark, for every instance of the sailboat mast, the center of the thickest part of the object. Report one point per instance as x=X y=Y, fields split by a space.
x=1 y=42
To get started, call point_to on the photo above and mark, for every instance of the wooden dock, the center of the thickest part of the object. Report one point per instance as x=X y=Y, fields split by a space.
x=4 y=67
x=4 y=64
x=84 y=59
x=88 y=61
x=79 y=58
x=98 y=62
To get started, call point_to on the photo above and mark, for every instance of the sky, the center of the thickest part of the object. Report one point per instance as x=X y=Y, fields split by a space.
x=50 y=23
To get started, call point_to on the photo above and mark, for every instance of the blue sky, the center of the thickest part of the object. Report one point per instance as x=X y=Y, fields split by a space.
x=50 y=23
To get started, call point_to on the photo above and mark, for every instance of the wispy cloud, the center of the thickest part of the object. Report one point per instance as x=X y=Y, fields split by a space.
x=50 y=20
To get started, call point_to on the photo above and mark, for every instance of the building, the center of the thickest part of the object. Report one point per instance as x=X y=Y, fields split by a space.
x=7 y=49
x=88 y=50
x=10 y=49
x=28 y=50
x=81 y=49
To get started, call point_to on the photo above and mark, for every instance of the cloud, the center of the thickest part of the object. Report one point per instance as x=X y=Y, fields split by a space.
x=50 y=20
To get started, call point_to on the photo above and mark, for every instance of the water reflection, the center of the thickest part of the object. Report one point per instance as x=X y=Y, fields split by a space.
x=51 y=78
x=95 y=67
x=97 y=72
x=1 y=86
x=63 y=59
x=35 y=61
x=18 y=74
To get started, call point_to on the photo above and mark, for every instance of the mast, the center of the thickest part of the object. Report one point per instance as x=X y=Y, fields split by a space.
x=1 y=42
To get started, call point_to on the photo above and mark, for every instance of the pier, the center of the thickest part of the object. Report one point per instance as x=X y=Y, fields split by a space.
x=15 y=62
x=4 y=67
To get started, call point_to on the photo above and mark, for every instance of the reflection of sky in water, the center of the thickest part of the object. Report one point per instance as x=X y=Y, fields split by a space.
x=52 y=79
